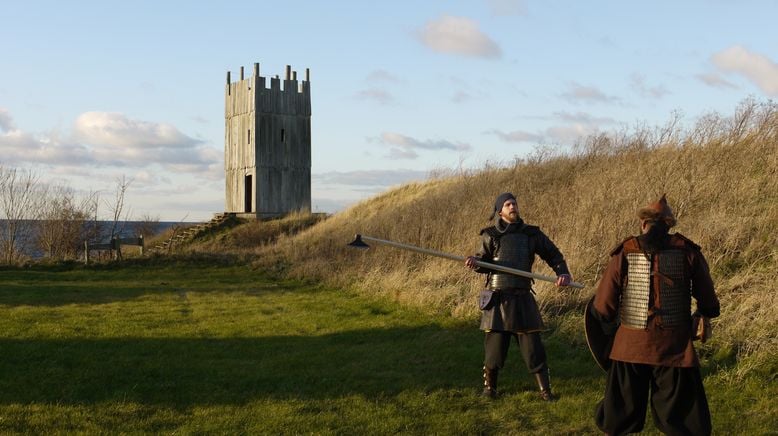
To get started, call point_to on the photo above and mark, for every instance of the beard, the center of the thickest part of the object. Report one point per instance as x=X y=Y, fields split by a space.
x=511 y=217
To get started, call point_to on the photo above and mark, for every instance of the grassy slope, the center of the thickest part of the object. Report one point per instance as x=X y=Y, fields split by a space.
x=720 y=176
x=204 y=348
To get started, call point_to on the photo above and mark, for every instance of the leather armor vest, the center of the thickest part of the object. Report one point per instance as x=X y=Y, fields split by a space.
x=513 y=251
x=664 y=274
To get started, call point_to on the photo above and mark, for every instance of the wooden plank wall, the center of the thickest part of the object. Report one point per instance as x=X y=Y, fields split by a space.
x=255 y=117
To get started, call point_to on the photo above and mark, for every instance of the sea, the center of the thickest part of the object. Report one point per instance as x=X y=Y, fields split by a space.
x=27 y=236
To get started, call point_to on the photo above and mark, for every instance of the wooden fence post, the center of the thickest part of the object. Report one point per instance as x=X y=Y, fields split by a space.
x=117 y=246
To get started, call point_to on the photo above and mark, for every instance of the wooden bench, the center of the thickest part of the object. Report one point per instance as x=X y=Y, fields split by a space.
x=114 y=246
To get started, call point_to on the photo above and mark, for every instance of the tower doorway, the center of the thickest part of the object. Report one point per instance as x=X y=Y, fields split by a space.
x=247 y=189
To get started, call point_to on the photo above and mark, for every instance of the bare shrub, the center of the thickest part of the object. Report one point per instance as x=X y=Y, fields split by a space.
x=64 y=223
x=19 y=205
x=118 y=213
x=147 y=226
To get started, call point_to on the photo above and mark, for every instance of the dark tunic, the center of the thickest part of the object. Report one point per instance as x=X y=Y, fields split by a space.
x=515 y=309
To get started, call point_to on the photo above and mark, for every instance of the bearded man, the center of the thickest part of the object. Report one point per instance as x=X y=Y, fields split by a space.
x=510 y=310
x=648 y=286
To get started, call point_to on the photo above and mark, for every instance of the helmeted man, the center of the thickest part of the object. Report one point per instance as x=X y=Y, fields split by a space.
x=647 y=287
x=511 y=311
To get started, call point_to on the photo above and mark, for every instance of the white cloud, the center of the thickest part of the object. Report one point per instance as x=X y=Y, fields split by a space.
x=405 y=147
x=401 y=153
x=408 y=142
x=578 y=93
x=383 y=178
x=574 y=126
x=757 y=68
x=569 y=134
x=110 y=139
x=375 y=94
x=461 y=97
x=145 y=179
x=336 y=190
x=328 y=205
x=564 y=134
x=208 y=164
x=383 y=76
x=639 y=85
x=116 y=130
x=516 y=136
x=117 y=140
x=6 y=121
x=458 y=35
x=583 y=117
x=463 y=91
x=19 y=147
x=715 y=80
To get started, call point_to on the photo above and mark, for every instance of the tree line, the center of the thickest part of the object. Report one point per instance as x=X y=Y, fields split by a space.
x=54 y=221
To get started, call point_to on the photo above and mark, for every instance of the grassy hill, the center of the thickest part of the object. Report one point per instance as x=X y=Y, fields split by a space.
x=720 y=176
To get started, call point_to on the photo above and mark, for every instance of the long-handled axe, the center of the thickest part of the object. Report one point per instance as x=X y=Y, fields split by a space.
x=359 y=242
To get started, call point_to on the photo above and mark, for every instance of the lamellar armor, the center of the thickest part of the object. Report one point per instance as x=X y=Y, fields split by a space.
x=512 y=251
x=657 y=285
x=513 y=307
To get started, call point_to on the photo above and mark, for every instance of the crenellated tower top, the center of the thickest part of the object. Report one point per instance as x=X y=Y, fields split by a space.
x=281 y=97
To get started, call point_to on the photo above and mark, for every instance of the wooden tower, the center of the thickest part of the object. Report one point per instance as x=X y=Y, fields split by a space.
x=267 y=145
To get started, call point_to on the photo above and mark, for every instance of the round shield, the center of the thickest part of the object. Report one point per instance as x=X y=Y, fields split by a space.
x=599 y=342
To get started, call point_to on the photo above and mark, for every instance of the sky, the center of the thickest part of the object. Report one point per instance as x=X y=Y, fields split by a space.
x=93 y=91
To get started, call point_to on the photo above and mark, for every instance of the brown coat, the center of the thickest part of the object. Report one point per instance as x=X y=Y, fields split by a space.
x=656 y=345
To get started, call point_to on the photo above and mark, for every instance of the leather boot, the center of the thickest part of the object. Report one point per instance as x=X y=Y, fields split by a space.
x=544 y=383
x=490 y=383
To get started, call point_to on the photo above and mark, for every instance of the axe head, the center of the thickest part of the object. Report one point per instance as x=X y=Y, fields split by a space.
x=358 y=243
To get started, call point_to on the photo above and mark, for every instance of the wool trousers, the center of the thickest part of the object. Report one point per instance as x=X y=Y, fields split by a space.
x=496 y=345
x=676 y=395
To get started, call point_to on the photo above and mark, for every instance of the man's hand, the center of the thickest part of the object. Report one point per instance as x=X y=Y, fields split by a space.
x=470 y=262
x=563 y=279
x=701 y=328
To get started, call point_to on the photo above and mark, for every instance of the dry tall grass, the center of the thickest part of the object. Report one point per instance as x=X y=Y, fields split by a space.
x=720 y=176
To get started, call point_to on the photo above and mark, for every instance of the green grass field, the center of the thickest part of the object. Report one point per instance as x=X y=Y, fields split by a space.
x=198 y=348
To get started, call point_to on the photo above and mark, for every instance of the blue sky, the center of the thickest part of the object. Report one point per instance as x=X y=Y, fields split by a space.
x=91 y=91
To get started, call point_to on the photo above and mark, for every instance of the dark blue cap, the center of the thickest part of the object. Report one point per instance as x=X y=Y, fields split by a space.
x=501 y=199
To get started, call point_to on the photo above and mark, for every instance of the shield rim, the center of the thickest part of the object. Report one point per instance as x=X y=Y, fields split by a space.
x=599 y=343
